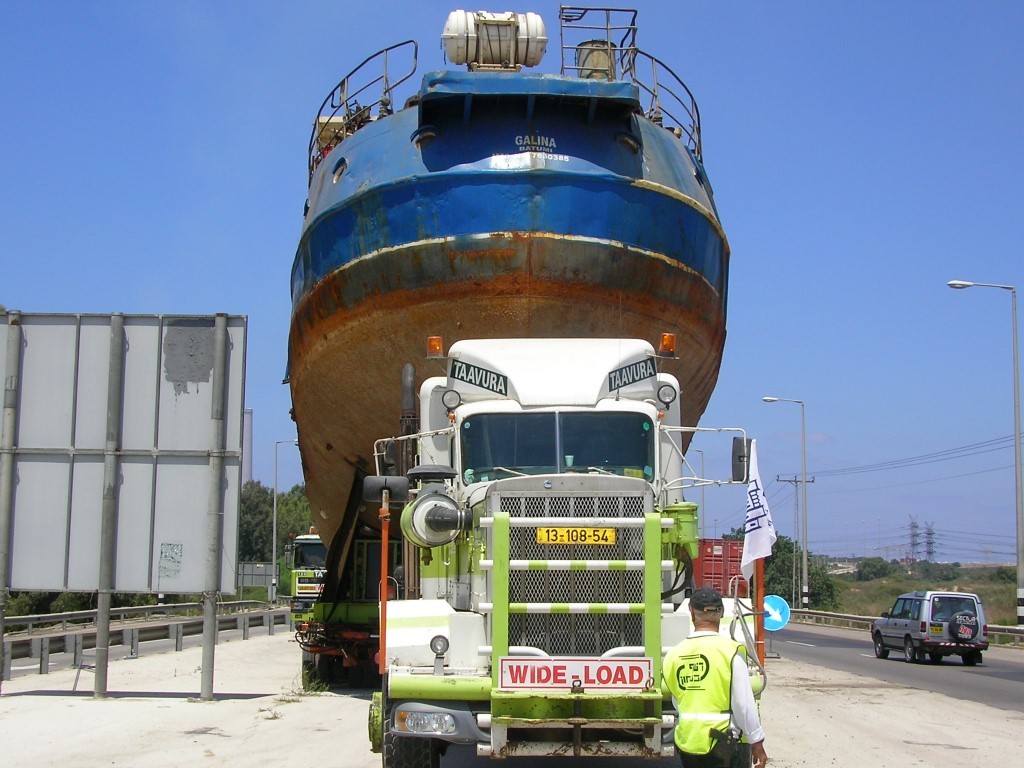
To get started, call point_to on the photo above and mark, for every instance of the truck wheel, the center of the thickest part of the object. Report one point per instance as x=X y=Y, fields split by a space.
x=409 y=751
x=355 y=677
x=371 y=677
x=325 y=668
x=881 y=652
x=909 y=651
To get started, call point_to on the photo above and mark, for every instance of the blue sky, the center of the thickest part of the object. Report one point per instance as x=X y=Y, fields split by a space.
x=862 y=155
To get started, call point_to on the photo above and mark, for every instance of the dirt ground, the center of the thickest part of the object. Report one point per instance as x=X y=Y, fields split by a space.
x=151 y=718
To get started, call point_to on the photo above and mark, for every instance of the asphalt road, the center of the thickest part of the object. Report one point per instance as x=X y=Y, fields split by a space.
x=996 y=681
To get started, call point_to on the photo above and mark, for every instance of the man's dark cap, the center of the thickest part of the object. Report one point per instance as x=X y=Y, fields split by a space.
x=706 y=599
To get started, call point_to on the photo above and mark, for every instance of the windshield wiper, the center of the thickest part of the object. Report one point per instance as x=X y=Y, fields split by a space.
x=510 y=471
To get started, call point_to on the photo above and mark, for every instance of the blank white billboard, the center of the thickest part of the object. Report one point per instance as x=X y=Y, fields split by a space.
x=163 y=449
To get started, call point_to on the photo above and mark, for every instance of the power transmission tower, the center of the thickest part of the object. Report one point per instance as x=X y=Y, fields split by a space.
x=929 y=542
x=915 y=539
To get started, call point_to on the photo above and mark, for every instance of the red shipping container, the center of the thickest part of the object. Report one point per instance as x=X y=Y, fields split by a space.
x=717 y=563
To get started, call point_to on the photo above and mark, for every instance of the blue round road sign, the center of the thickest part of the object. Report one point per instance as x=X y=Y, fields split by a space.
x=776 y=613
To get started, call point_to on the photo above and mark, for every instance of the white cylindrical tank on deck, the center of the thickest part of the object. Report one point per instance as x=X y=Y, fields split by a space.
x=494 y=39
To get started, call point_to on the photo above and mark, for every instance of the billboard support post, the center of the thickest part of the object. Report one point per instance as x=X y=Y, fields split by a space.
x=10 y=407
x=108 y=519
x=215 y=508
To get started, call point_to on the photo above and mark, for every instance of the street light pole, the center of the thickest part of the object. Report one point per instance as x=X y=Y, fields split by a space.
x=1018 y=478
x=273 y=535
x=805 y=587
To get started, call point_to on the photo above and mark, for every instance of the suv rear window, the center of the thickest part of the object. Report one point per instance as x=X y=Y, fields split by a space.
x=944 y=606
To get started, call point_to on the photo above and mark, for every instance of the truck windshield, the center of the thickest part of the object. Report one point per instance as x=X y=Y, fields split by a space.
x=310 y=554
x=496 y=445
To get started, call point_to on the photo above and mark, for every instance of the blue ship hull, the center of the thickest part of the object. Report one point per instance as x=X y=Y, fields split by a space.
x=495 y=205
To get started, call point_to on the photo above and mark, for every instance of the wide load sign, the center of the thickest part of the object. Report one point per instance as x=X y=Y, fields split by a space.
x=520 y=673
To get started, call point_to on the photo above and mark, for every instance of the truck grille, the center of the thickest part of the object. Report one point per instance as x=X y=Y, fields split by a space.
x=561 y=634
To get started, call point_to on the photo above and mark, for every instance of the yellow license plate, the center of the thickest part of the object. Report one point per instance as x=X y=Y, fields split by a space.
x=576 y=536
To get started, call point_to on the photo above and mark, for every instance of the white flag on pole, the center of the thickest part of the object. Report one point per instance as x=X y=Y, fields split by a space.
x=758 y=528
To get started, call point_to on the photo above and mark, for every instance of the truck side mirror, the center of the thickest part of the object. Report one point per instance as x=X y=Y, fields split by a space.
x=741 y=459
x=375 y=485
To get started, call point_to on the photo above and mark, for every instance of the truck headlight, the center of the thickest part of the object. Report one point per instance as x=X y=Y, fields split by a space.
x=425 y=722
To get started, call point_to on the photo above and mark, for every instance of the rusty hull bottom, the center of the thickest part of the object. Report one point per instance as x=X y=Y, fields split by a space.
x=350 y=339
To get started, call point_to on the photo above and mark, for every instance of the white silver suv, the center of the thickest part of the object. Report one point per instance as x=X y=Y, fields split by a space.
x=930 y=624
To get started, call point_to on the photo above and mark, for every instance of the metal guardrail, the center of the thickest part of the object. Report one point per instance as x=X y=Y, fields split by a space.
x=62 y=632
x=997 y=635
x=75 y=632
x=85 y=618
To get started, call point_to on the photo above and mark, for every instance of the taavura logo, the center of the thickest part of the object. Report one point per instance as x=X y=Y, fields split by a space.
x=630 y=374
x=479 y=377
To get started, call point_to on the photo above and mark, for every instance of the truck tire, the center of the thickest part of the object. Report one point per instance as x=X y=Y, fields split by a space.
x=355 y=677
x=881 y=652
x=325 y=668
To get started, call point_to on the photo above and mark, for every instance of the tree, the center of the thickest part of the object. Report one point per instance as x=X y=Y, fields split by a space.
x=871 y=568
x=256 y=520
x=823 y=593
x=255 y=523
x=778 y=577
x=294 y=516
x=933 y=572
x=778 y=571
x=1004 y=574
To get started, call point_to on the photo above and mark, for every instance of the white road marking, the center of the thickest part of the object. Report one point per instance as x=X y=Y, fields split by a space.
x=794 y=642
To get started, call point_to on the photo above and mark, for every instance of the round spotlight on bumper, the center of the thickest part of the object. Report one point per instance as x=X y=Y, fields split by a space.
x=439 y=645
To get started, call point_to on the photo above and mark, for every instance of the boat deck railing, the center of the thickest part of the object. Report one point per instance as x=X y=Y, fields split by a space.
x=356 y=101
x=600 y=43
x=670 y=103
x=597 y=43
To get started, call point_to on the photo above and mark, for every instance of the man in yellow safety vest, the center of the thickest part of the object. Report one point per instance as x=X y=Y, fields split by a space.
x=718 y=725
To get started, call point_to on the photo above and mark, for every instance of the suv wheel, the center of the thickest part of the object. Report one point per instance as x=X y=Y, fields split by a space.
x=909 y=651
x=935 y=658
x=881 y=652
x=972 y=658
